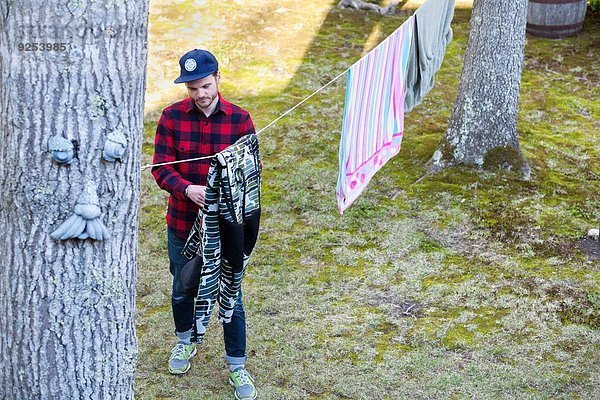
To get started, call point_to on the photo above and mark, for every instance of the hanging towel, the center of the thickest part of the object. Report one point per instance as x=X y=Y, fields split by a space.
x=226 y=230
x=432 y=34
x=373 y=113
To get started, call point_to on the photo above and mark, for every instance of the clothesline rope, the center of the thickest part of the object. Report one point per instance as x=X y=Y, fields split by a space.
x=264 y=128
x=276 y=119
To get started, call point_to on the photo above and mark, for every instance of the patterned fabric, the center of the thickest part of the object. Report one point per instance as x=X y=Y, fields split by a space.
x=184 y=132
x=373 y=113
x=226 y=230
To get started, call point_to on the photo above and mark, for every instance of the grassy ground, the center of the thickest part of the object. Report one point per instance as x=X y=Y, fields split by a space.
x=464 y=285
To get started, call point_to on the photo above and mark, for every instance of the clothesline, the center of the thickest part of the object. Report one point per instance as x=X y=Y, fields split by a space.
x=275 y=120
x=381 y=87
x=261 y=130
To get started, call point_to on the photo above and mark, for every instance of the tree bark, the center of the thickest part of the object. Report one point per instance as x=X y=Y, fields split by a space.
x=67 y=321
x=483 y=127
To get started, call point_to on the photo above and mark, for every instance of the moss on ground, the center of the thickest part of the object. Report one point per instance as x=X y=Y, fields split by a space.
x=504 y=157
x=464 y=284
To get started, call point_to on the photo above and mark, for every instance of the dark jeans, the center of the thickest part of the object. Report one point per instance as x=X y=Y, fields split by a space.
x=234 y=333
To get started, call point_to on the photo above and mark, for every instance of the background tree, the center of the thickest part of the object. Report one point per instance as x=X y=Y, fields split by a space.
x=76 y=70
x=483 y=127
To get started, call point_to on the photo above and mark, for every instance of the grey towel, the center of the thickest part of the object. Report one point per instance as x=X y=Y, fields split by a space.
x=432 y=35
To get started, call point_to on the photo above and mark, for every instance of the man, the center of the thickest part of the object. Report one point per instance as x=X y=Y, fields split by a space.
x=201 y=125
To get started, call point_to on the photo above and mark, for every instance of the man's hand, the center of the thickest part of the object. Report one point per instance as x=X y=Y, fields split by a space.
x=196 y=194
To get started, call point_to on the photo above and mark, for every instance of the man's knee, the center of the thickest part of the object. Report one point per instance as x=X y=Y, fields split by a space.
x=178 y=298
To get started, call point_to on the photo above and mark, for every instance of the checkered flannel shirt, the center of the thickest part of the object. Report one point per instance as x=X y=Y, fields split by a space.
x=184 y=132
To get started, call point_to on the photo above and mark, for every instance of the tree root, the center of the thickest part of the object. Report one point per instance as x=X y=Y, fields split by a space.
x=500 y=158
x=361 y=5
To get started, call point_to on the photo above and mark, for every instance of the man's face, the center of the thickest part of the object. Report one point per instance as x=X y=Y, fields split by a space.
x=203 y=91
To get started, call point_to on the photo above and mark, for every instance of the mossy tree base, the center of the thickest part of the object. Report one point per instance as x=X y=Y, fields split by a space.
x=483 y=128
x=507 y=158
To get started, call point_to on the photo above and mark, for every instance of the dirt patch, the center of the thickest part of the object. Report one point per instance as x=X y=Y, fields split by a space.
x=408 y=308
x=574 y=303
x=590 y=247
x=555 y=246
x=398 y=307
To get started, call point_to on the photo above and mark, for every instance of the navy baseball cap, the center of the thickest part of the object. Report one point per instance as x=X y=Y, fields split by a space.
x=196 y=64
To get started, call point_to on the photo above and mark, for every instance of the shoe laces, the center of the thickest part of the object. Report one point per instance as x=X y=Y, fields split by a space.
x=243 y=377
x=178 y=351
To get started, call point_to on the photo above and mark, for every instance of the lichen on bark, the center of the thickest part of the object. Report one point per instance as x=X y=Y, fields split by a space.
x=67 y=326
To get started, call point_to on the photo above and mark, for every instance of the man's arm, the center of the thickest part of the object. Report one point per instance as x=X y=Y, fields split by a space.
x=247 y=126
x=167 y=177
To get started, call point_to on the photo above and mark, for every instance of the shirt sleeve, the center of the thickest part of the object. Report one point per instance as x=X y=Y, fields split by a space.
x=247 y=126
x=248 y=129
x=166 y=176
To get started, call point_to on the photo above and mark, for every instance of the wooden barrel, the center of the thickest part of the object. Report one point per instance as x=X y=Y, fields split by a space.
x=555 y=18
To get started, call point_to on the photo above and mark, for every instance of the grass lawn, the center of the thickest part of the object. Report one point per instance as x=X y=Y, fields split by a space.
x=467 y=284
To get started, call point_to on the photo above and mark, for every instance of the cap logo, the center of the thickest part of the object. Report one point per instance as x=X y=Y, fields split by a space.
x=190 y=65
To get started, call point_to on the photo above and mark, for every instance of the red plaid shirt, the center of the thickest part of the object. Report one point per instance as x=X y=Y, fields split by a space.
x=184 y=132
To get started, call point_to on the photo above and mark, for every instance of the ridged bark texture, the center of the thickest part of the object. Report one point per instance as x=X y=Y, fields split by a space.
x=67 y=307
x=485 y=113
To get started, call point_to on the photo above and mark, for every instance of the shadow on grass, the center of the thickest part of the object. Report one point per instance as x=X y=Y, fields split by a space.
x=326 y=295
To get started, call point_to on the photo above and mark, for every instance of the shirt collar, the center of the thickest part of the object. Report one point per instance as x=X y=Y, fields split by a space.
x=223 y=105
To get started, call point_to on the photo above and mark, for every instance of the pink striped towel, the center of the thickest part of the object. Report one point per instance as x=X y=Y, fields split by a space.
x=373 y=113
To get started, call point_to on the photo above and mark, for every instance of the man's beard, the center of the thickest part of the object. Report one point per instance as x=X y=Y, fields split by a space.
x=205 y=102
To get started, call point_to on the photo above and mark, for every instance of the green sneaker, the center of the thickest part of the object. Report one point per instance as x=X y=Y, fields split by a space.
x=179 y=362
x=243 y=383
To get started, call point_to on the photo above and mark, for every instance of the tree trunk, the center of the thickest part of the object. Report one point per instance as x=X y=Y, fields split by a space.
x=483 y=127
x=67 y=306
